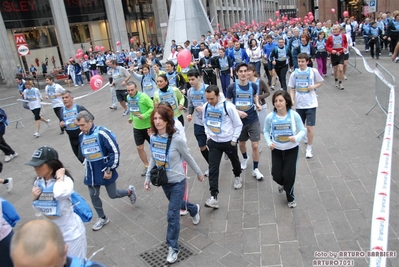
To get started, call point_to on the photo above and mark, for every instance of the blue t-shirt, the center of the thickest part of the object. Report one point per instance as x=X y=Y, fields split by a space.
x=252 y=114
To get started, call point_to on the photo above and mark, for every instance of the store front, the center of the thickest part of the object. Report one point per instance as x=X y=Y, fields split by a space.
x=140 y=22
x=87 y=23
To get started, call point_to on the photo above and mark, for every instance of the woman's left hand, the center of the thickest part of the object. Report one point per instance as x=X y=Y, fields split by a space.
x=60 y=173
x=201 y=178
x=292 y=139
x=147 y=186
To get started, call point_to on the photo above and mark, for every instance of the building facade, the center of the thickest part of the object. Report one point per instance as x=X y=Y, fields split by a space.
x=357 y=8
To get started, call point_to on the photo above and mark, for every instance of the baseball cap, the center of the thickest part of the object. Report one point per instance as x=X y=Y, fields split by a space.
x=42 y=155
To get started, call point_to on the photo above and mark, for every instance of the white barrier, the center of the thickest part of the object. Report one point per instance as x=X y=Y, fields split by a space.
x=382 y=194
x=380 y=217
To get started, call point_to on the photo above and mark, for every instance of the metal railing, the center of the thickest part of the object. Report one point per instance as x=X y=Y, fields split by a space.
x=384 y=81
x=13 y=110
x=385 y=99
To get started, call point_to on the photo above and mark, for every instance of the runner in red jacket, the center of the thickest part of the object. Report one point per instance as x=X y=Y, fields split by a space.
x=337 y=45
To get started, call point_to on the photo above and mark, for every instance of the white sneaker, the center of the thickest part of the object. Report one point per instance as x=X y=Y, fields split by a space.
x=206 y=173
x=7 y=158
x=100 y=223
x=396 y=59
x=9 y=184
x=196 y=219
x=340 y=86
x=48 y=123
x=132 y=196
x=36 y=134
x=183 y=212
x=237 y=182
x=309 y=153
x=292 y=204
x=256 y=173
x=212 y=203
x=172 y=255
x=244 y=163
x=390 y=53
x=345 y=78
x=125 y=112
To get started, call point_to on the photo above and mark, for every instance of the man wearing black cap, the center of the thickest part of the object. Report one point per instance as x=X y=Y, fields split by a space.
x=101 y=151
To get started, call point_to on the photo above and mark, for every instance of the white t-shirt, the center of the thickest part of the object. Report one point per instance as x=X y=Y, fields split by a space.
x=34 y=97
x=306 y=100
x=55 y=89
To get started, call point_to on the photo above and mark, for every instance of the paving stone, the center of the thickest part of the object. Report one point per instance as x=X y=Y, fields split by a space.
x=253 y=226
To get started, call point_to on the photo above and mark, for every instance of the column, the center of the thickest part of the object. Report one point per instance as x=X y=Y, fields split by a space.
x=117 y=24
x=242 y=11
x=232 y=13
x=63 y=32
x=7 y=60
x=161 y=19
x=213 y=14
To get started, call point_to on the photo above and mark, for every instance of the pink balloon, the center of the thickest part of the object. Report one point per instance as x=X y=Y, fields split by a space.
x=299 y=19
x=118 y=43
x=96 y=48
x=218 y=25
x=277 y=13
x=80 y=53
x=102 y=48
x=306 y=17
x=132 y=40
x=184 y=58
x=346 y=14
x=96 y=82
x=332 y=10
x=77 y=56
x=86 y=57
x=90 y=49
x=311 y=18
x=310 y=14
x=80 y=50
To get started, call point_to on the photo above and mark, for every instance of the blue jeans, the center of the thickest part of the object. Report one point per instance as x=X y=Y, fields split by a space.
x=366 y=43
x=225 y=81
x=112 y=191
x=174 y=193
x=78 y=77
x=257 y=66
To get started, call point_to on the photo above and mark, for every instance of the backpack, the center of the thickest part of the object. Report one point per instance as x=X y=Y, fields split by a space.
x=80 y=207
x=9 y=212
x=224 y=105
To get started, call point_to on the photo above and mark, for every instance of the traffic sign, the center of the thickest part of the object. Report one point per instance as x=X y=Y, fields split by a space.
x=373 y=6
x=23 y=50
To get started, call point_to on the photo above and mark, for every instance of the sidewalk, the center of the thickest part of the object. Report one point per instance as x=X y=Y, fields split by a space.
x=253 y=226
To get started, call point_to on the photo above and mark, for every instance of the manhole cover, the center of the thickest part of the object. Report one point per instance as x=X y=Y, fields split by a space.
x=156 y=257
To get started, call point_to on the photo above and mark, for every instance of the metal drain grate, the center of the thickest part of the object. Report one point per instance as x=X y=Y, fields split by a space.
x=157 y=256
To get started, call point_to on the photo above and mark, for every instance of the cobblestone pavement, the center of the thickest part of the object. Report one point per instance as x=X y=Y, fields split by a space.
x=253 y=226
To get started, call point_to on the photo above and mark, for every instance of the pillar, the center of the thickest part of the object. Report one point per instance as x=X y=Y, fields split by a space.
x=63 y=32
x=117 y=24
x=161 y=19
x=7 y=61
x=213 y=14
